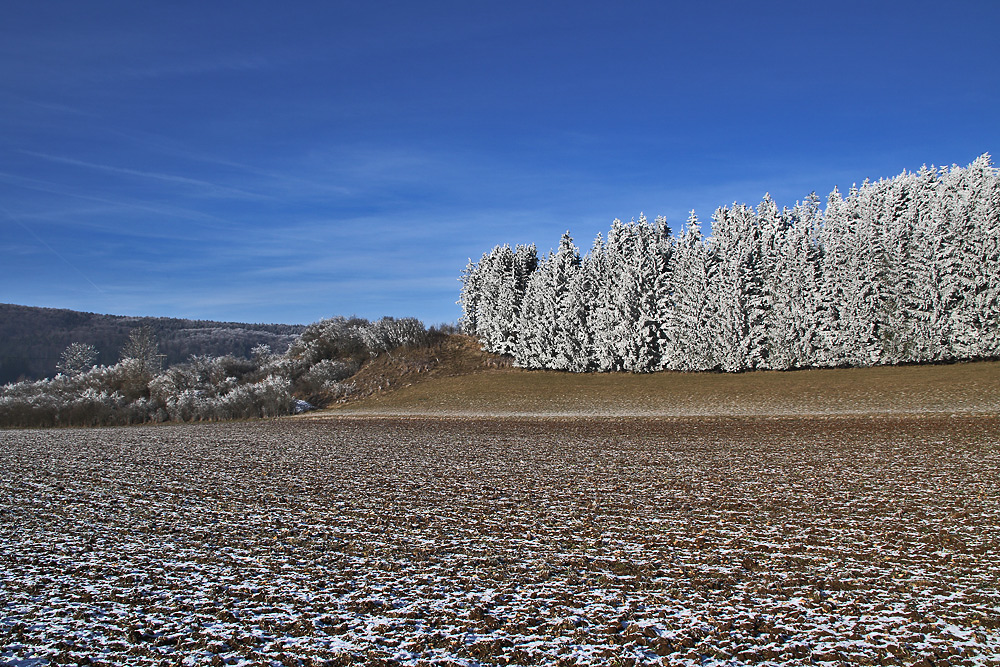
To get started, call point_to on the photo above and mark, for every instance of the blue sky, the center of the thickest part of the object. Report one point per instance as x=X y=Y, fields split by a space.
x=285 y=162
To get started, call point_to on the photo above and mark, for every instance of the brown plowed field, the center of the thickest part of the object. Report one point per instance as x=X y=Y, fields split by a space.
x=963 y=388
x=714 y=541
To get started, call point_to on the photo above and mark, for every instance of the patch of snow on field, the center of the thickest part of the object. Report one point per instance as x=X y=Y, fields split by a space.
x=465 y=542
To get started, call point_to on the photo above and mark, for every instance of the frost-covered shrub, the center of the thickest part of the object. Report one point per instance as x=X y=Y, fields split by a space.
x=210 y=388
x=356 y=338
x=208 y=372
x=333 y=338
x=187 y=391
x=104 y=395
x=28 y=404
x=330 y=371
x=187 y=405
x=261 y=354
x=129 y=377
x=321 y=382
x=285 y=366
x=92 y=408
x=339 y=390
x=388 y=333
x=271 y=397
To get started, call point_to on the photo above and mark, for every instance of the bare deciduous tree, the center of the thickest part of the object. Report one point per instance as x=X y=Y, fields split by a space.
x=142 y=345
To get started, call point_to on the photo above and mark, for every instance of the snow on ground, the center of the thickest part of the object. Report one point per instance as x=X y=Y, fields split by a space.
x=504 y=541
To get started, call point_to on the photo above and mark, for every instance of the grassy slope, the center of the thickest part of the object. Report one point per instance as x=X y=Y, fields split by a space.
x=457 y=379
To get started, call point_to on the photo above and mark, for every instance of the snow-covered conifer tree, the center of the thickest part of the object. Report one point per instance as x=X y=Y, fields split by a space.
x=794 y=328
x=615 y=309
x=544 y=341
x=503 y=276
x=867 y=300
x=492 y=292
x=739 y=324
x=495 y=323
x=574 y=322
x=631 y=292
x=602 y=316
x=777 y=322
x=971 y=199
x=933 y=272
x=984 y=193
x=469 y=296
x=838 y=239
x=652 y=274
x=621 y=250
x=694 y=269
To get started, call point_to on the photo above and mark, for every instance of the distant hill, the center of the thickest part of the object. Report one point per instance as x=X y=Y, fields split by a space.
x=31 y=339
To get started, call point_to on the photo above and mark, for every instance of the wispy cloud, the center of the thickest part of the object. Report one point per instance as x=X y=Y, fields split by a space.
x=11 y=217
x=157 y=209
x=20 y=104
x=174 y=66
x=210 y=188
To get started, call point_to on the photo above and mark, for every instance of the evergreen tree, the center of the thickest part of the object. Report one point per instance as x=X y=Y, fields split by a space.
x=866 y=304
x=796 y=339
x=602 y=318
x=690 y=321
x=545 y=341
x=495 y=308
x=574 y=322
x=469 y=296
x=492 y=292
x=503 y=277
x=838 y=241
x=630 y=275
x=903 y=313
x=740 y=322
x=654 y=251
x=778 y=322
x=972 y=206
x=935 y=270
x=984 y=193
x=603 y=314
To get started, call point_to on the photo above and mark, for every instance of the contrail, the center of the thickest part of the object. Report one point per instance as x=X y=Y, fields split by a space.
x=55 y=252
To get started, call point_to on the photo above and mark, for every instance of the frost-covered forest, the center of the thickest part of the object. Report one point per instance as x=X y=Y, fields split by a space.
x=315 y=369
x=901 y=270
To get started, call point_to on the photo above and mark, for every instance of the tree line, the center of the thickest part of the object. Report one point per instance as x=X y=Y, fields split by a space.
x=901 y=270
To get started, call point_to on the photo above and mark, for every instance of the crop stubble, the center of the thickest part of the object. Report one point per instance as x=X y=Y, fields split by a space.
x=504 y=541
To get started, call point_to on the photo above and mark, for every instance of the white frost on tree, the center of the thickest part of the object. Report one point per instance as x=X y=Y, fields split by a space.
x=905 y=269
x=690 y=321
x=77 y=358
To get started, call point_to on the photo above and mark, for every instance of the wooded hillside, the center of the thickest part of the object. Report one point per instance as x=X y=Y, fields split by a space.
x=31 y=339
